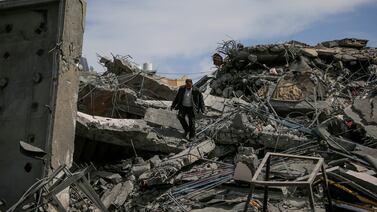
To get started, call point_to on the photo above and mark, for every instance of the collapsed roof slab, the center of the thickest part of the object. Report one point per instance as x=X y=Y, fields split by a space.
x=125 y=132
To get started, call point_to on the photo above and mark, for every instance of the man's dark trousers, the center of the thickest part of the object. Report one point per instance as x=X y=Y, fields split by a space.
x=189 y=112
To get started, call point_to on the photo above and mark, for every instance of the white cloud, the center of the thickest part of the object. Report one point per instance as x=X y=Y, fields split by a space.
x=156 y=30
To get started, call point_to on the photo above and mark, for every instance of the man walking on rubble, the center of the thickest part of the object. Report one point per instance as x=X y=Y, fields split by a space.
x=188 y=102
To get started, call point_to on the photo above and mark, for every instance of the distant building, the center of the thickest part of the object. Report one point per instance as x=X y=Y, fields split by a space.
x=174 y=82
x=84 y=62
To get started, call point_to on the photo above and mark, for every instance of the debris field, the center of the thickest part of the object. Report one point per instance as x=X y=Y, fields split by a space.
x=288 y=127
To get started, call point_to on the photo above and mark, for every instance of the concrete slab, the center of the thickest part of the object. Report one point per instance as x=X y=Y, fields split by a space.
x=242 y=173
x=125 y=132
x=163 y=117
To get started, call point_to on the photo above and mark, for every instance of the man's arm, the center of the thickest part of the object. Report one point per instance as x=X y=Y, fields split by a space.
x=175 y=102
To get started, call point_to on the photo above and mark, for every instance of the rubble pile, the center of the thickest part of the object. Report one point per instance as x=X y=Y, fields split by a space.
x=315 y=102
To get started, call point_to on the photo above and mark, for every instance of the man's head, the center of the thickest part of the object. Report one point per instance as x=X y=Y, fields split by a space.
x=189 y=83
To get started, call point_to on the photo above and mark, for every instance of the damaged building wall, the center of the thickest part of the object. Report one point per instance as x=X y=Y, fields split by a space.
x=68 y=82
x=40 y=47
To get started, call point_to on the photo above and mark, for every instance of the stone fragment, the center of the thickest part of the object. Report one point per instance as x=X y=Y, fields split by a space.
x=309 y=52
x=110 y=195
x=242 y=172
x=247 y=156
x=364 y=112
x=126 y=189
x=353 y=43
x=161 y=117
x=240 y=121
x=167 y=168
x=348 y=58
x=277 y=48
x=252 y=58
x=115 y=178
x=139 y=169
x=154 y=161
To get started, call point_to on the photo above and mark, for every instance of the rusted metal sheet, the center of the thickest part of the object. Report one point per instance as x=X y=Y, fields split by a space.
x=40 y=45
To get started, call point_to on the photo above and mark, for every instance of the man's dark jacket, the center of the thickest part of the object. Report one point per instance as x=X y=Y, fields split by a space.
x=197 y=98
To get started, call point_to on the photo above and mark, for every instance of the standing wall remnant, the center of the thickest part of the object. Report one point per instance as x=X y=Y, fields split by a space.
x=40 y=47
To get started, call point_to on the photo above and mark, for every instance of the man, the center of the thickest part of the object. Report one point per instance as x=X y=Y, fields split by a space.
x=188 y=101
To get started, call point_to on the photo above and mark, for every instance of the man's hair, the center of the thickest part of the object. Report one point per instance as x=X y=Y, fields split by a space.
x=189 y=80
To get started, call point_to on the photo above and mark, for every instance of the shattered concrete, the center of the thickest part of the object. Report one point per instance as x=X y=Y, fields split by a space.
x=163 y=117
x=163 y=172
x=364 y=112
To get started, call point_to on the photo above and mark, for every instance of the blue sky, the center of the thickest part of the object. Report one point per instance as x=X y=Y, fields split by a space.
x=179 y=36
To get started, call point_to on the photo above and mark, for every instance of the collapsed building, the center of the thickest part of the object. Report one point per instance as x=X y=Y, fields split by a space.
x=290 y=98
x=294 y=121
x=314 y=102
x=289 y=127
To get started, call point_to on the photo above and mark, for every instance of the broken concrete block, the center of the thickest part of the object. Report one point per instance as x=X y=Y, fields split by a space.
x=111 y=195
x=97 y=97
x=115 y=178
x=299 y=84
x=363 y=179
x=145 y=83
x=150 y=86
x=281 y=141
x=346 y=42
x=247 y=156
x=242 y=173
x=309 y=52
x=139 y=169
x=221 y=104
x=214 y=102
x=327 y=52
x=127 y=188
x=157 y=104
x=154 y=161
x=166 y=118
x=103 y=96
x=277 y=48
x=285 y=107
x=353 y=43
x=364 y=112
x=348 y=58
x=240 y=121
x=166 y=169
x=367 y=109
x=222 y=150
x=124 y=132
x=228 y=92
